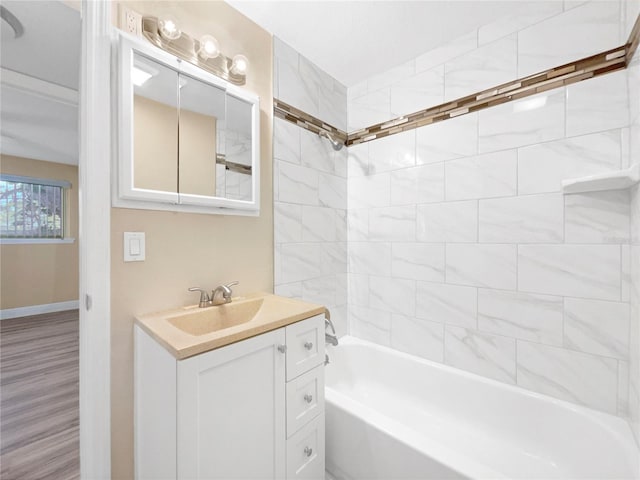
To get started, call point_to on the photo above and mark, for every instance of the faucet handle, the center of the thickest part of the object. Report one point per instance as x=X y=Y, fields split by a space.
x=235 y=282
x=227 y=289
x=204 y=296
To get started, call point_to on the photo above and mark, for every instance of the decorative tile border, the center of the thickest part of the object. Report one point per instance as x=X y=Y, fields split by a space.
x=573 y=72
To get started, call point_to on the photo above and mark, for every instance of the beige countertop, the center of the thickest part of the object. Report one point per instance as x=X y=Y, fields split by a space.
x=188 y=331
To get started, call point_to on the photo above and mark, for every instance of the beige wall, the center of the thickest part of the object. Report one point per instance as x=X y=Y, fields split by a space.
x=35 y=274
x=185 y=250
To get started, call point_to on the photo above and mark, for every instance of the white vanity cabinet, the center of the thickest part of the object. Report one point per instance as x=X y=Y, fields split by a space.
x=252 y=409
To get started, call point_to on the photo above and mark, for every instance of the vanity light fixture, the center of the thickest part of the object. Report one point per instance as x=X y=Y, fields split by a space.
x=205 y=53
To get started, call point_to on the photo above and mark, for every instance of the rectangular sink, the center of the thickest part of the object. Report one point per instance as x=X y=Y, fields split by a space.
x=212 y=319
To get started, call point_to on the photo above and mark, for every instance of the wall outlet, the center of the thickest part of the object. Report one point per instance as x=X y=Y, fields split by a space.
x=130 y=21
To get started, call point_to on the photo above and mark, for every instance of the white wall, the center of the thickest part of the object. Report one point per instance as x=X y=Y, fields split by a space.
x=462 y=248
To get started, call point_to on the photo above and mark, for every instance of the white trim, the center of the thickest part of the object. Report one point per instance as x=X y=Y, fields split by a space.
x=37 y=87
x=94 y=240
x=36 y=241
x=8 y=313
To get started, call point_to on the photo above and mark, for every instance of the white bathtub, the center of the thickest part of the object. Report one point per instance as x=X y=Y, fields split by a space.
x=394 y=416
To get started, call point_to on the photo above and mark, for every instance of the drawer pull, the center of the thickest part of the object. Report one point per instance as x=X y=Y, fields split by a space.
x=308 y=345
x=282 y=348
x=308 y=398
x=308 y=451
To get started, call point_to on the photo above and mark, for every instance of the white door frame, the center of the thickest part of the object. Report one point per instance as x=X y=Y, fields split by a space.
x=94 y=240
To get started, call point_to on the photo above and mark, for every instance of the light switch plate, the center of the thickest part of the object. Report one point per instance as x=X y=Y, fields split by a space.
x=134 y=248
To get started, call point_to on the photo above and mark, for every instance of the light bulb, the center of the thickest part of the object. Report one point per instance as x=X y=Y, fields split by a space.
x=209 y=47
x=169 y=28
x=239 y=65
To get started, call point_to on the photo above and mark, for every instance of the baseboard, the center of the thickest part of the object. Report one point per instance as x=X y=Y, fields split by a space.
x=38 y=309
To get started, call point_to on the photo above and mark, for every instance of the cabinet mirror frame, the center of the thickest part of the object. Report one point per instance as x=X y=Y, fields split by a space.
x=125 y=193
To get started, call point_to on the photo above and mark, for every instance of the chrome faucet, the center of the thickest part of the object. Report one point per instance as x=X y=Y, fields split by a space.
x=207 y=300
x=331 y=338
x=226 y=292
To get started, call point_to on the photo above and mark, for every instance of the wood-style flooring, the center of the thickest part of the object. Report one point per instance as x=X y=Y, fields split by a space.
x=39 y=416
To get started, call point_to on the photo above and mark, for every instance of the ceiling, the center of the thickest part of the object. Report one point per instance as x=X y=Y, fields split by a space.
x=352 y=40
x=38 y=119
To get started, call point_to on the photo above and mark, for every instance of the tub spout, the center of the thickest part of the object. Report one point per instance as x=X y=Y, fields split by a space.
x=332 y=339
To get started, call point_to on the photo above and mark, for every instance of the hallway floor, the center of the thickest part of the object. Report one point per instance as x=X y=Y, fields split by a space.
x=39 y=417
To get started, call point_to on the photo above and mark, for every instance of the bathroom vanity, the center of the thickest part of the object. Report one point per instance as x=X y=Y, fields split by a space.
x=231 y=391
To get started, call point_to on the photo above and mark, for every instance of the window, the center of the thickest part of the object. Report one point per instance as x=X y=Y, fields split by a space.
x=32 y=208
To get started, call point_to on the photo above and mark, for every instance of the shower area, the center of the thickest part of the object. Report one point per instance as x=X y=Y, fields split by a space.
x=502 y=241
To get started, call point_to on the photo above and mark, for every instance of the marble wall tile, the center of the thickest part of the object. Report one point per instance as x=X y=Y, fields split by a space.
x=283 y=52
x=372 y=258
x=370 y=324
x=447 y=51
x=449 y=139
x=525 y=219
x=321 y=290
x=342 y=288
x=417 y=92
x=582 y=31
x=484 y=67
x=602 y=103
x=340 y=162
x=358 y=162
x=418 y=261
x=333 y=257
x=524 y=17
x=299 y=261
x=577 y=377
x=316 y=152
x=537 y=318
x=487 y=355
x=447 y=222
x=482 y=176
x=287 y=222
x=332 y=191
x=370 y=191
x=393 y=223
x=632 y=10
x=417 y=337
x=369 y=109
x=297 y=184
x=289 y=290
x=625 y=255
x=492 y=266
x=451 y=304
x=623 y=389
x=391 y=76
x=394 y=295
x=393 y=152
x=332 y=106
x=535 y=119
x=358 y=224
x=286 y=141
x=421 y=184
x=357 y=90
x=591 y=271
x=296 y=90
x=594 y=326
x=358 y=289
x=318 y=224
x=597 y=217
x=542 y=167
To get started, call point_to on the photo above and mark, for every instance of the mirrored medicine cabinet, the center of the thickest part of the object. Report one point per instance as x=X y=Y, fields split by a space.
x=188 y=140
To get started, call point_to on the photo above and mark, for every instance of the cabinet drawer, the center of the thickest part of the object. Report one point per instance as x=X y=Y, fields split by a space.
x=305 y=399
x=305 y=451
x=305 y=346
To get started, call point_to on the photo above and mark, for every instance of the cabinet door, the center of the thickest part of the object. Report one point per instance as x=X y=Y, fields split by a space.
x=231 y=411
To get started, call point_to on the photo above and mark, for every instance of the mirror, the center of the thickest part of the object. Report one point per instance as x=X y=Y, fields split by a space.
x=187 y=138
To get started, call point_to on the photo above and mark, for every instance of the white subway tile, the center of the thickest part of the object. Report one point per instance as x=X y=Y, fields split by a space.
x=418 y=261
x=392 y=152
x=297 y=184
x=287 y=222
x=585 y=379
x=318 y=224
x=372 y=258
x=369 y=324
x=527 y=219
x=582 y=31
x=449 y=304
x=418 y=337
x=597 y=217
x=594 y=326
x=286 y=141
x=591 y=271
x=598 y=104
x=454 y=138
x=537 y=318
x=417 y=92
x=482 y=176
x=542 y=167
x=447 y=51
x=393 y=295
x=482 y=68
x=535 y=119
x=480 y=353
x=369 y=109
x=492 y=266
x=371 y=191
x=447 y=222
x=422 y=184
x=393 y=223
